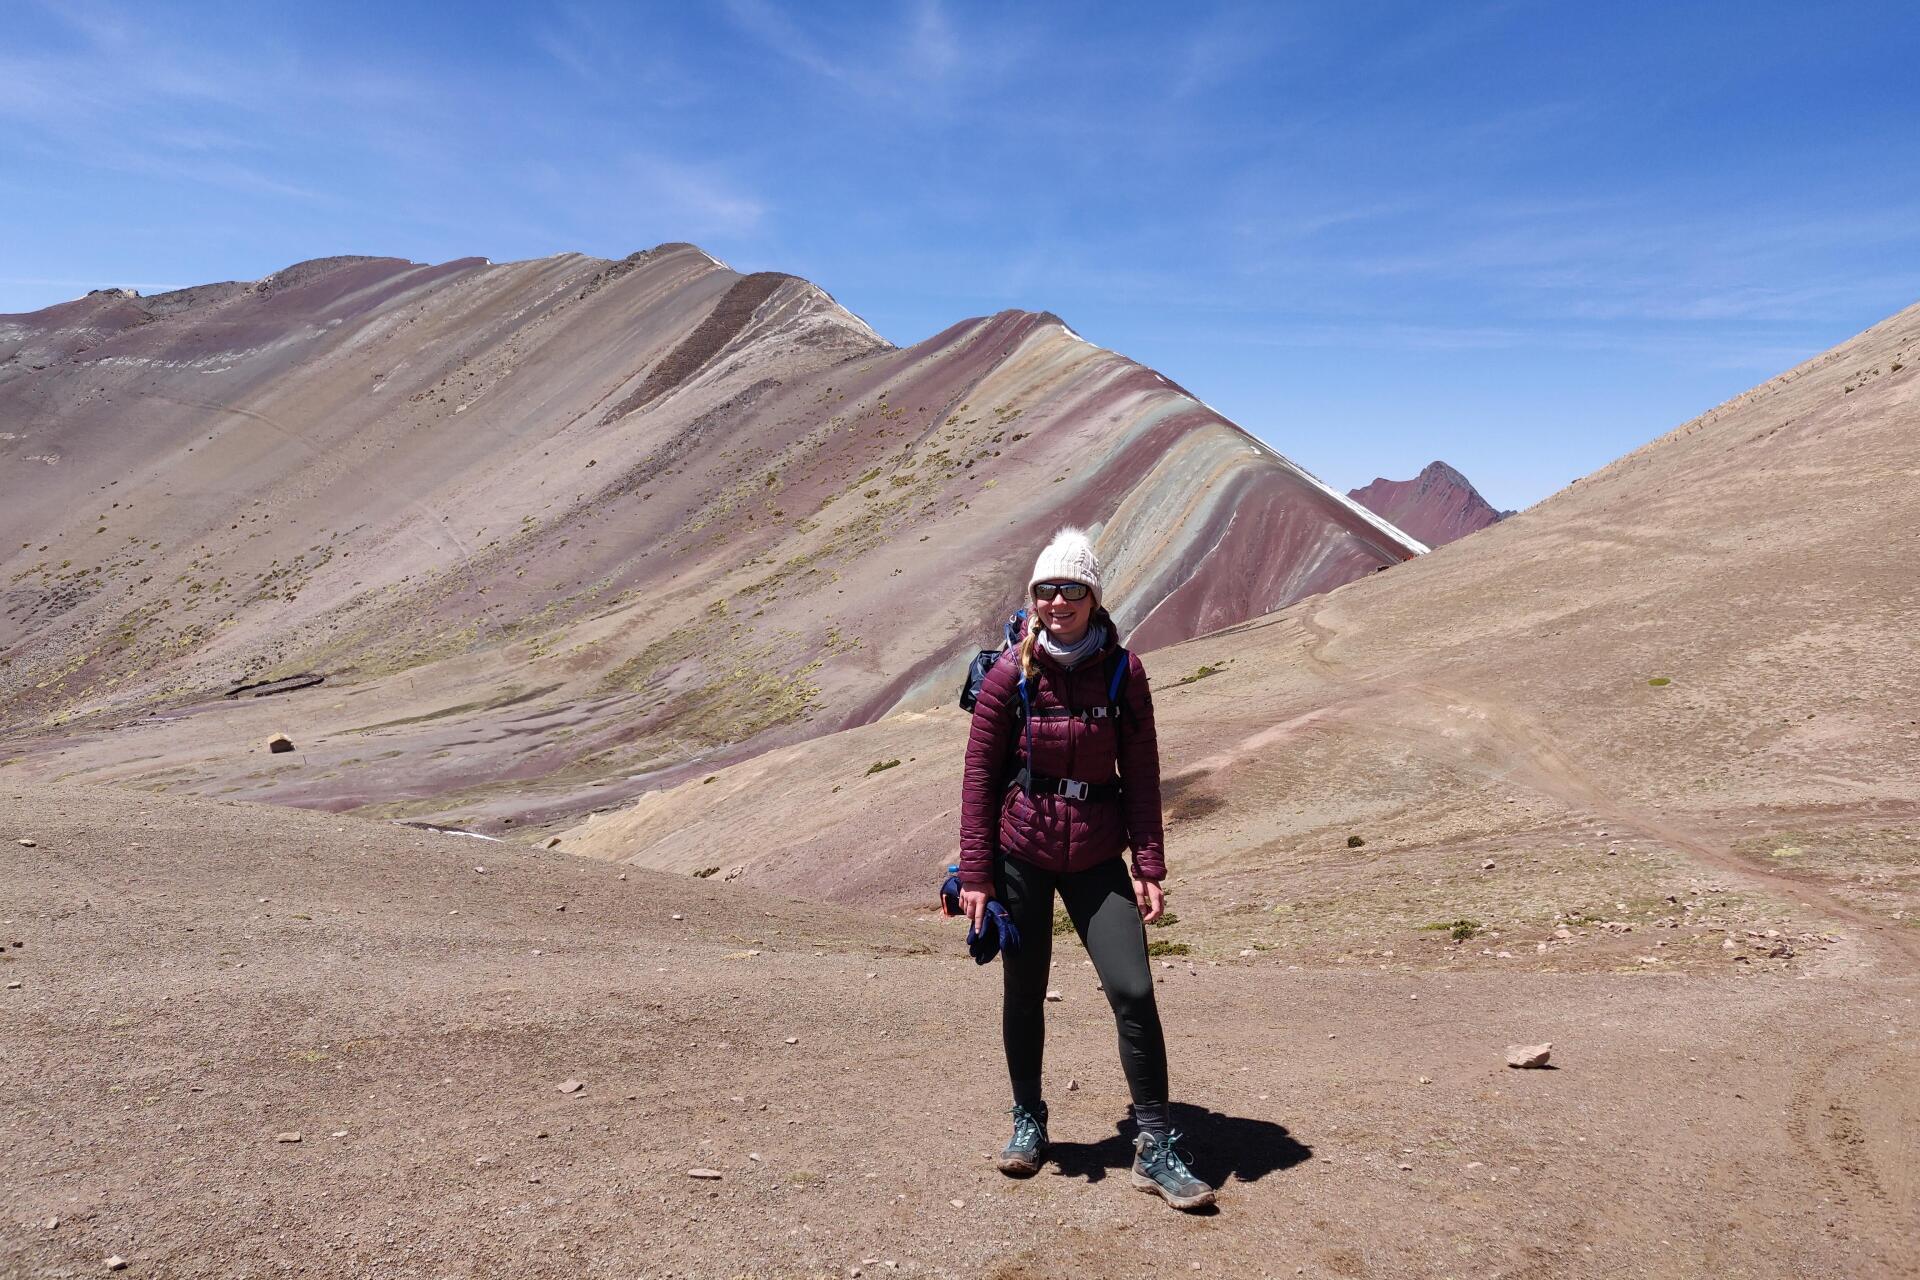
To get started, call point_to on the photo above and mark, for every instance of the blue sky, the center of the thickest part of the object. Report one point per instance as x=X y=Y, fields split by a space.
x=1521 y=237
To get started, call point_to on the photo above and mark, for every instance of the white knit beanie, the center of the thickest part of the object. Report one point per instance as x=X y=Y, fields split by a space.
x=1068 y=558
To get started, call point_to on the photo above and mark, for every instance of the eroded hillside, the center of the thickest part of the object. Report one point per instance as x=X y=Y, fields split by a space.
x=563 y=530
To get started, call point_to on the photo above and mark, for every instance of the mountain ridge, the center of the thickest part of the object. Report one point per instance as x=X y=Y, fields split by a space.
x=670 y=513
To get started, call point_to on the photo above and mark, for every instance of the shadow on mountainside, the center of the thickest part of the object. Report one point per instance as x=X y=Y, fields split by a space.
x=1221 y=1146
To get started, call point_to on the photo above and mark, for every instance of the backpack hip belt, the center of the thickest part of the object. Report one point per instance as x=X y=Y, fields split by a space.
x=1038 y=784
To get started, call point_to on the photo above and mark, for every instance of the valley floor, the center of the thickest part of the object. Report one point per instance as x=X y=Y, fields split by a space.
x=197 y=981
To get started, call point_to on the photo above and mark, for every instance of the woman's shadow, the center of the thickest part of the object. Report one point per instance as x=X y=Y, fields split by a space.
x=1221 y=1146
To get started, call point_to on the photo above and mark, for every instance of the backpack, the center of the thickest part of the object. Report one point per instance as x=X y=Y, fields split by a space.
x=984 y=660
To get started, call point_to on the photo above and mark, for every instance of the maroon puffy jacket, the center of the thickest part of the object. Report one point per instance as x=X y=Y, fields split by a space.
x=1057 y=832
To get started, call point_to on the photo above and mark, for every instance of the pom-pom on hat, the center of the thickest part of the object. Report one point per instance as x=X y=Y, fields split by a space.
x=1068 y=558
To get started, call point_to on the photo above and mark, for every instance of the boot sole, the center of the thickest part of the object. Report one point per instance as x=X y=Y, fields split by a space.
x=1020 y=1168
x=1141 y=1182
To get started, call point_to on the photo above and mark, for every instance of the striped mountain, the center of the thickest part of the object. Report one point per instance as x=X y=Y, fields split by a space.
x=565 y=530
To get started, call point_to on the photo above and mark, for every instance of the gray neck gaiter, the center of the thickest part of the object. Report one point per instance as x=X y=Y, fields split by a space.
x=1071 y=656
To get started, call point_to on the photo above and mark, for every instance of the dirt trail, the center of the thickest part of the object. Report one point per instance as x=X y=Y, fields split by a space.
x=1506 y=745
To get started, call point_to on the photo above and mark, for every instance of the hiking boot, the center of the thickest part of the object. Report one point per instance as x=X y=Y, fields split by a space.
x=1158 y=1168
x=1021 y=1156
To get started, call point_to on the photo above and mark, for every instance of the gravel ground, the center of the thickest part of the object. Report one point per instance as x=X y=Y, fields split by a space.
x=198 y=980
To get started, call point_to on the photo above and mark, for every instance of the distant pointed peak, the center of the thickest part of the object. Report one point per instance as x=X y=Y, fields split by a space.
x=1437 y=505
x=1440 y=471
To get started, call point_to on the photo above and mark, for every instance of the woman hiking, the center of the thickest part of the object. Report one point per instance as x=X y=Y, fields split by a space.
x=1062 y=778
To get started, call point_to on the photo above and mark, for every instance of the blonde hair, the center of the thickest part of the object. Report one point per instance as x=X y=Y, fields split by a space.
x=1028 y=641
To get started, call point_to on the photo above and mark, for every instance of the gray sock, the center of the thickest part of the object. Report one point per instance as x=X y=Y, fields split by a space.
x=1152 y=1117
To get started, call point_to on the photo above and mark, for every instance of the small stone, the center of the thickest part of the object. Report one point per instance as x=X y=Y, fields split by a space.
x=339 y=1133
x=116 y=1263
x=621 y=876
x=793 y=1039
x=1406 y=1168
x=51 y=1223
x=13 y=986
x=678 y=916
x=570 y=1086
x=289 y=1136
x=553 y=842
x=279 y=743
x=26 y=844
x=1073 y=1086
x=479 y=871
x=1487 y=865
x=708 y=1175
x=1426 y=1079
x=958 y=1204
x=754 y=1156
x=1054 y=996
x=1529 y=1055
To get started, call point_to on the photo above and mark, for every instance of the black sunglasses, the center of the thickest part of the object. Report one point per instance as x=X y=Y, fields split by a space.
x=1065 y=590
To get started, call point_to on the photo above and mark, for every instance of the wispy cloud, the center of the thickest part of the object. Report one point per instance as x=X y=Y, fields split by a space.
x=1223 y=45
x=601 y=52
x=913 y=61
x=700 y=197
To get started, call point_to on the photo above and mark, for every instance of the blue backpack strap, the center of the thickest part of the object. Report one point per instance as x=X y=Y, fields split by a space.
x=1026 y=713
x=1119 y=678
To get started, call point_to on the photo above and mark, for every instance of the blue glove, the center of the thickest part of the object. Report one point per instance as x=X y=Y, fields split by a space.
x=995 y=935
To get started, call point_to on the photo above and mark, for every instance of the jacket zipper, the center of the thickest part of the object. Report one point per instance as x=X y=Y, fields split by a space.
x=1066 y=697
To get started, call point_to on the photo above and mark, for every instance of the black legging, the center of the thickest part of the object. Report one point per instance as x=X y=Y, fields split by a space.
x=1101 y=903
